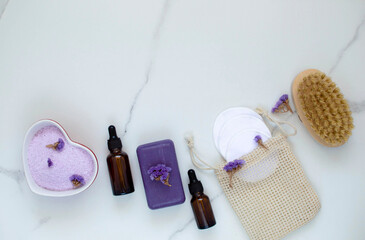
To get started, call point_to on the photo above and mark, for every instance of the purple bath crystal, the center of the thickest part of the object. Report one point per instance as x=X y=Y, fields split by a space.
x=50 y=163
x=70 y=160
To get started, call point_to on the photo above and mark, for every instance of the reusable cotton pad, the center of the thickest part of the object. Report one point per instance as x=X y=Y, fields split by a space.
x=234 y=135
x=237 y=124
x=54 y=169
x=224 y=116
x=243 y=142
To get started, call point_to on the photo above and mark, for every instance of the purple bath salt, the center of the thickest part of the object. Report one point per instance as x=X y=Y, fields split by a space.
x=71 y=161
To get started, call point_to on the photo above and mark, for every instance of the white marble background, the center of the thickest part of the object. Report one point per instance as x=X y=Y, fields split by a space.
x=157 y=69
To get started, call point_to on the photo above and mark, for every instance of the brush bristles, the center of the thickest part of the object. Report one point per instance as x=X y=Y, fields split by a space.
x=325 y=108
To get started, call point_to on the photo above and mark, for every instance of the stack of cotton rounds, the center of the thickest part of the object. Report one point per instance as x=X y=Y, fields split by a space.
x=235 y=130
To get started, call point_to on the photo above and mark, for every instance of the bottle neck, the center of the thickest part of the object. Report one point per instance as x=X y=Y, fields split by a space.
x=116 y=151
x=198 y=194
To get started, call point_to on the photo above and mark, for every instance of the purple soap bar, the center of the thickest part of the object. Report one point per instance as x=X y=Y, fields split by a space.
x=158 y=160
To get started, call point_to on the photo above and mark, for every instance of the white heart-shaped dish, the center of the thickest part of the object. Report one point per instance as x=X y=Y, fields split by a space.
x=36 y=188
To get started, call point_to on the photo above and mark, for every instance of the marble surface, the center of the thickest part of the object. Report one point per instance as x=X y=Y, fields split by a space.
x=159 y=69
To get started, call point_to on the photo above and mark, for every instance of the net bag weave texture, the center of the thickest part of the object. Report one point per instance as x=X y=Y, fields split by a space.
x=274 y=203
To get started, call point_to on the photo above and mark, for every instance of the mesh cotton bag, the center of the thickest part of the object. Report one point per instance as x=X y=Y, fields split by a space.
x=270 y=194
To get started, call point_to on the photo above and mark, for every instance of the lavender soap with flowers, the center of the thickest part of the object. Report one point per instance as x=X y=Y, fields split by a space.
x=160 y=174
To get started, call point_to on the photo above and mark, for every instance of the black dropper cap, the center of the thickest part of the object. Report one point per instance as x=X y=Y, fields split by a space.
x=113 y=142
x=195 y=185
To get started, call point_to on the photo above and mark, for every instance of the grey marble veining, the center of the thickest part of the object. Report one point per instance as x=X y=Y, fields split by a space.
x=184 y=226
x=16 y=175
x=181 y=229
x=3 y=5
x=203 y=57
x=154 y=48
x=343 y=51
x=136 y=97
x=357 y=107
x=42 y=222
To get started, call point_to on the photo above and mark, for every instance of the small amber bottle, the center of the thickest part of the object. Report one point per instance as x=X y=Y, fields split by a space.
x=200 y=203
x=118 y=165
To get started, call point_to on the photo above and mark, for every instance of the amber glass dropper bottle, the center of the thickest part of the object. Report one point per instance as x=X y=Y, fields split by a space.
x=200 y=203
x=118 y=165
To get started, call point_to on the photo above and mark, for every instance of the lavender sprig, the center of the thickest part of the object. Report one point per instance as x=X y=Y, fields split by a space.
x=77 y=180
x=58 y=146
x=232 y=167
x=282 y=105
x=259 y=141
x=160 y=173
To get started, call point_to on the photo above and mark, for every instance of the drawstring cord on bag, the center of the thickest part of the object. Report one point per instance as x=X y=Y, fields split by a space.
x=194 y=156
x=264 y=113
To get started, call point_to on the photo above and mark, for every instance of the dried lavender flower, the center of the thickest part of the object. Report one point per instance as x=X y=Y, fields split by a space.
x=77 y=180
x=161 y=173
x=258 y=138
x=49 y=162
x=259 y=141
x=282 y=105
x=232 y=167
x=284 y=97
x=58 y=146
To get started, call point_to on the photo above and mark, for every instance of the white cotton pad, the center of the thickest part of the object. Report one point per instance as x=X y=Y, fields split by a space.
x=261 y=170
x=226 y=115
x=234 y=132
x=239 y=124
x=243 y=143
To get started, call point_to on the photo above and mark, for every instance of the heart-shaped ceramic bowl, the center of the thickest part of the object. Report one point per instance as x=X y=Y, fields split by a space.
x=31 y=182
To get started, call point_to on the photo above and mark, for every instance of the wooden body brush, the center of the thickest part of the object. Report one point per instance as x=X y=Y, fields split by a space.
x=322 y=108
